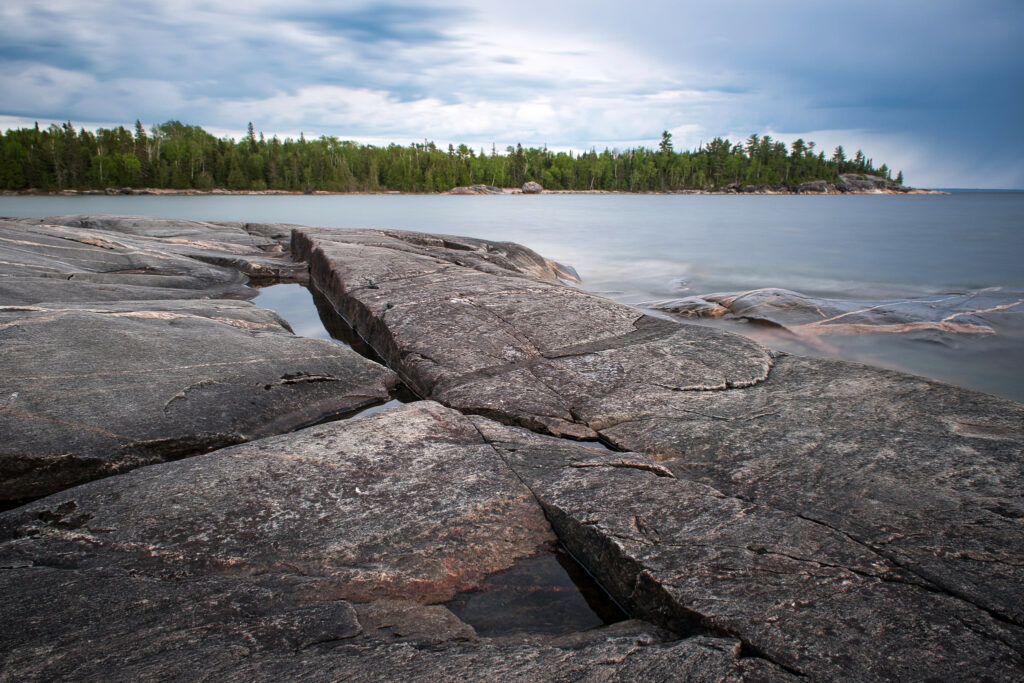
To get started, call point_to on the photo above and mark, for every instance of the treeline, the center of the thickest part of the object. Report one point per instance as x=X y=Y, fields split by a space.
x=175 y=155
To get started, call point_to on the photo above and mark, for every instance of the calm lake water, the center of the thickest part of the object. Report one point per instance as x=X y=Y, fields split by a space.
x=639 y=248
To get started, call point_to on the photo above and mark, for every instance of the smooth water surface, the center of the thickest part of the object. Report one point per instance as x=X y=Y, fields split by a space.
x=639 y=248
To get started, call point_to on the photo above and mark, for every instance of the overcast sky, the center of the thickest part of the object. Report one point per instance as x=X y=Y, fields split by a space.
x=932 y=87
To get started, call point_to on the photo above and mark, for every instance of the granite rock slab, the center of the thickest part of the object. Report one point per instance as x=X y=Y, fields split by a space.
x=93 y=389
x=925 y=475
x=45 y=262
x=319 y=554
x=253 y=252
x=796 y=592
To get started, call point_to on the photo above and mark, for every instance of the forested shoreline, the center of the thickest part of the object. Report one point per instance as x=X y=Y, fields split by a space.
x=174 y=155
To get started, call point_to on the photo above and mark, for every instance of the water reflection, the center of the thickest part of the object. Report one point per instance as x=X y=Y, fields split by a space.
x=548 y=593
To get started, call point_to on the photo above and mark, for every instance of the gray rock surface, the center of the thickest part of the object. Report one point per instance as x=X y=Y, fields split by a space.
x=864 y=183
x=220 y=244
x=797 y=592
x=88 y=390
x=44 y=262
x=530 y=187
x=122 y=346
x=767 y=515
x=816 y=187
x=318 y=555
x=921 y=475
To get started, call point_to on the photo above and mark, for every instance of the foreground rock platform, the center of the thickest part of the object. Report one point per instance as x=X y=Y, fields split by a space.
x=759 y=516
x=922 y=476
x=319 y=554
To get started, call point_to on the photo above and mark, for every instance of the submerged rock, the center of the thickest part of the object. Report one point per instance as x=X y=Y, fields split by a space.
x=809 y=318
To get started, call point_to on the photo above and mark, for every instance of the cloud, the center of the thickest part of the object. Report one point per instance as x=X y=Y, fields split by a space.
x=937 y=87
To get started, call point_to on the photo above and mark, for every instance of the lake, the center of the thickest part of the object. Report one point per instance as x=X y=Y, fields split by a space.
x=643 y=248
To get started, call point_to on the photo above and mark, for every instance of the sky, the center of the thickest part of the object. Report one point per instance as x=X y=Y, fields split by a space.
x=934 y=88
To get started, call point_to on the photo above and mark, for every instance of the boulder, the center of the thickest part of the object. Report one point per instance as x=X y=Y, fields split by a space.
x=530 y=187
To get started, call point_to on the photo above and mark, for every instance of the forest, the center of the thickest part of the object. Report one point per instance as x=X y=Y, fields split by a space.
x=179 y=156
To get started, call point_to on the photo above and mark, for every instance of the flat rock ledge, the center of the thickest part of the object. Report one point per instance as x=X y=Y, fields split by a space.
x=124 y=343
x=758 y=516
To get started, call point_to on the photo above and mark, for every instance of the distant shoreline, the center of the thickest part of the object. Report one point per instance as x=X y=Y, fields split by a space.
x=216 y=192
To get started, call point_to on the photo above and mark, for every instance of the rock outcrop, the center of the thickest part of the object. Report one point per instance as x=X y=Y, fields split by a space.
x=89 y=390
x=106 y=365
x=874 y=456
x=931 y=318
x=760 y=516
x=476 y=189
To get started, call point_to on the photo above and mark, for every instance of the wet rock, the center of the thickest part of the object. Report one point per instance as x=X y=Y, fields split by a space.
x=317 y=554
x=92 y=389
x=923 y=475
x=931 y=318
